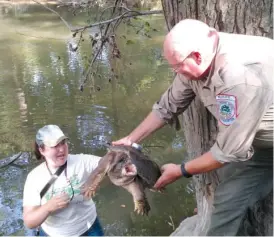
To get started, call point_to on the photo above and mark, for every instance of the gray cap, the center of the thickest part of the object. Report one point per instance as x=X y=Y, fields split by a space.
x=50 y=135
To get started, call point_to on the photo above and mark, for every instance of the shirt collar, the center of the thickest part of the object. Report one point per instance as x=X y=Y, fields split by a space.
x=213 y=79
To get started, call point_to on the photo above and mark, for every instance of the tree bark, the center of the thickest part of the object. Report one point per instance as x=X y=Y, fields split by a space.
x=200 y=127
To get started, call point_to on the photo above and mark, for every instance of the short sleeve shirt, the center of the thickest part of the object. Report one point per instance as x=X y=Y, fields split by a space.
x=80 y=214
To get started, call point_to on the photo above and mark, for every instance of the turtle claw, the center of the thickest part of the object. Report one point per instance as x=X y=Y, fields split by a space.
x=88 y=192
x=142 y=207
x=161 y=190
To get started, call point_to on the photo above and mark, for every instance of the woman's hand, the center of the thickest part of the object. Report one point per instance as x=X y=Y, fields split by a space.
x=58 y=202
x=35 y=215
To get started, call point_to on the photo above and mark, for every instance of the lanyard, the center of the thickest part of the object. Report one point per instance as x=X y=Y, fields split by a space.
x=53 y=178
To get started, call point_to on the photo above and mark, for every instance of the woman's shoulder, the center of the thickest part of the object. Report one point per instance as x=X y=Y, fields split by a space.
x=83 y=158
x=38 y=170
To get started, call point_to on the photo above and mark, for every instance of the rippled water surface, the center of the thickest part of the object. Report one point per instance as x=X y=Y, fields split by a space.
x=39 y=84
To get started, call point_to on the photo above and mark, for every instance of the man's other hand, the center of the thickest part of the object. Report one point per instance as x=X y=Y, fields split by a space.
x=170 y=173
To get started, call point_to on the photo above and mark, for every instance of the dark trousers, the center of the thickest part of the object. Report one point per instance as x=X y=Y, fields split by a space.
x=95 y=230
x=247 y=183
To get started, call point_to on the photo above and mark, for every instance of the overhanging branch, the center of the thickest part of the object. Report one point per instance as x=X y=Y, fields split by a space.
x=127 y=14
x=56 y=13
x=119 y=13
x=133 y=14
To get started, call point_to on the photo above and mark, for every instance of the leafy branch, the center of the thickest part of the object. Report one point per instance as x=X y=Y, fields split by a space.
x=119 y=13
x=127 y=14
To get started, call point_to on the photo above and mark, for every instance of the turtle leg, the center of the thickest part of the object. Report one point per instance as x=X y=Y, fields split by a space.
x=97 y=175
x=141 y=205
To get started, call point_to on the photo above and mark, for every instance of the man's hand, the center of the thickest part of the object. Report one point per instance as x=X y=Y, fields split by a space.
x=170 y=173
x=124 y=141
x=149 y=125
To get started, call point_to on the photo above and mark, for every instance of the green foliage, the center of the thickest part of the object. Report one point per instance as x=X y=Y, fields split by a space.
x=129 y=42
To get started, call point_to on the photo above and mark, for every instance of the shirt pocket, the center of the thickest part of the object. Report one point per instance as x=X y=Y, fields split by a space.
x=211 y=105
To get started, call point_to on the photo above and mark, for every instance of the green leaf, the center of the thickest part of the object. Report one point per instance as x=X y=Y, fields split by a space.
x=147 y=24
x=129 y=42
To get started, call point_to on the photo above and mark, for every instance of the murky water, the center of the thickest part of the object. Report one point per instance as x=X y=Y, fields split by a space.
x=39 y=84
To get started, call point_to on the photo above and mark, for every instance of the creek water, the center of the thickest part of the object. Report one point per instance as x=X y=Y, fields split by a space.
x=39 y=84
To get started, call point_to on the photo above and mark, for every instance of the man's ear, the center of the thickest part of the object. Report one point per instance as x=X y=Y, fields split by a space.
x=212 y=32
x=197 y=57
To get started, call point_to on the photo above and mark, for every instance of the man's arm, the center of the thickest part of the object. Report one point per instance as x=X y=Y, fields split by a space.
x=172 y=103
x=202 y=164
x=234 y=142
x=150 y=124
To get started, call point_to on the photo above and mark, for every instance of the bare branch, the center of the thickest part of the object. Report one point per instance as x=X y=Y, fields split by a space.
x=90 y=65
x=56 y=13
x=114 y=8
x=79 y=41
x=38 y=37
x=134 y=14
x=124 y=15
x=103 y=41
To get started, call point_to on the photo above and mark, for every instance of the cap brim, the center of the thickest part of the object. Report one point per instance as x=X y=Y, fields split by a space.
x=56 y=142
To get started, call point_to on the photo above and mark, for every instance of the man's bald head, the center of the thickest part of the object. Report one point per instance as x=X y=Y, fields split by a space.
x=186 y=37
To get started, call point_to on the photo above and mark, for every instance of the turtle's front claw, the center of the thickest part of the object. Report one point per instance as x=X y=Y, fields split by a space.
x=88 y=192
x=142 y=207
x=161 y=190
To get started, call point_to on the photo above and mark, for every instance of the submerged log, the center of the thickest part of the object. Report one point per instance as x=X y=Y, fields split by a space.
x=20 y=159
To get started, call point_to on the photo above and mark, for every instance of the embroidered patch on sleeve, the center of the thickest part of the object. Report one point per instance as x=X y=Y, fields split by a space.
x=227 y=108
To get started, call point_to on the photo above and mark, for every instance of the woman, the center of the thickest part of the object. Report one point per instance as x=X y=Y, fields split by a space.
x=62 y=210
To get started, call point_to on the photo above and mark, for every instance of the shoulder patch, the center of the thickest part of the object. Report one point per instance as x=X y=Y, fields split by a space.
x=227 y=108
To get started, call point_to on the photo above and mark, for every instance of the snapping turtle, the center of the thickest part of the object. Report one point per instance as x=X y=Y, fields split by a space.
x=129 y=168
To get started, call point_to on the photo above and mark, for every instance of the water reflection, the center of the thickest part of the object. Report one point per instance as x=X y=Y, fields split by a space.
x=94 y=130
x=74 y=60
x=39 y=84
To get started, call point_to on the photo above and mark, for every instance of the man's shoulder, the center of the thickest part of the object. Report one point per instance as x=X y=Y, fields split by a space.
x=255 y=38
x=233 y=73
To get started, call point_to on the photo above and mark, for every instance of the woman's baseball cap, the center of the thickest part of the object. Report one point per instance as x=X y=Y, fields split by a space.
x=50 y=135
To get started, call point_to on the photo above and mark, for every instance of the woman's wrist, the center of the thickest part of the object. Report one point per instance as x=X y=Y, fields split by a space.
x=47 y=208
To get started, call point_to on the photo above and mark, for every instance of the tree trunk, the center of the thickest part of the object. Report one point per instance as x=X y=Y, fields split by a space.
x=200 y=127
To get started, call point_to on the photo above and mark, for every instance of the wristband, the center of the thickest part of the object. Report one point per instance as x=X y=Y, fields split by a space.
x=136 y=146
x=184 y=172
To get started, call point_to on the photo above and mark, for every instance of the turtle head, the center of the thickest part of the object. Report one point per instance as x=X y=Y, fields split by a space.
x=122 y=165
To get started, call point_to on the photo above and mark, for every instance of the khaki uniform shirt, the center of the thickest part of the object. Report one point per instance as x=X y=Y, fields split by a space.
x=238 y=91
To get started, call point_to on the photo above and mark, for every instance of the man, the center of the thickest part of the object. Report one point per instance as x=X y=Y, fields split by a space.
x=232 y=75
